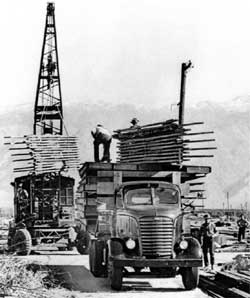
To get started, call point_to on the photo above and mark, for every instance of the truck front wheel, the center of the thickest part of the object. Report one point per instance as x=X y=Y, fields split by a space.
x=96 y=258
x=190 y=277
x=115 y=276
x=22 y=242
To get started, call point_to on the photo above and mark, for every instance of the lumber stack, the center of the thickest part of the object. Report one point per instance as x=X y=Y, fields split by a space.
x=226 y=284
x=40 y=154
x=99 y=180
x=162 y=142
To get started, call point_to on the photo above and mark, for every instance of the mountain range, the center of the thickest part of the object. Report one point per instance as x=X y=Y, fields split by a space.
x=230 y=122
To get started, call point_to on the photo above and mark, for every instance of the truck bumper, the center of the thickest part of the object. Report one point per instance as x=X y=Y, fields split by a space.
x=156 y=263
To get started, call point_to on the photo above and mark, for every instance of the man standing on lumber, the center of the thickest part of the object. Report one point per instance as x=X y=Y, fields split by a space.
x=101 y=136
x=242 y=224
x=207 y=233
x=134 y=123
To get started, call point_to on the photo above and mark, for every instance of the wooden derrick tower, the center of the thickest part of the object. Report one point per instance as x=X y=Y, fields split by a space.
x=48 y=112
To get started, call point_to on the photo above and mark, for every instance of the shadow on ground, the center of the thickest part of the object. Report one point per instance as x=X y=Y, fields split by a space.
x=78 y=278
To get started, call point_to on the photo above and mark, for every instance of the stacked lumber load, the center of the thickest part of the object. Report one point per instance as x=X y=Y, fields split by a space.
x=39 y=154
x=161 y=142
x=99 y=180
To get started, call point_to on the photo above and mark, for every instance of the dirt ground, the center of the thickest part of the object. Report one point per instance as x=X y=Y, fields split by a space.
x=73 y=271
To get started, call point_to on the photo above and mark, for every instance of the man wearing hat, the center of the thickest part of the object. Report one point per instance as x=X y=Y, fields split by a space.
x=134 y=123
x=207 y=233
x=242 y=224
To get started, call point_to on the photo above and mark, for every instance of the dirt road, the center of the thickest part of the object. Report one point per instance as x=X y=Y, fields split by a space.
x=72 y=269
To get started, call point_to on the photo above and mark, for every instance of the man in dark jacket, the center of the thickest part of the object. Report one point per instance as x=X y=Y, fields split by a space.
x=242 y=224
x=207 y=233
x=101 y=136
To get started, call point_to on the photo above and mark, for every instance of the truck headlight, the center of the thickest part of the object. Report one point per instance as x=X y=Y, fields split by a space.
x=183 y=244
x=130 y=243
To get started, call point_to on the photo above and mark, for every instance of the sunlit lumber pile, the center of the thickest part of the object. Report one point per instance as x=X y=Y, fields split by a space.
x=40 y=154
x=161 y=142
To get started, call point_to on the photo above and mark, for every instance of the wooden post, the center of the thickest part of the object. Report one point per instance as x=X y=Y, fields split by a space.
x=184 y=69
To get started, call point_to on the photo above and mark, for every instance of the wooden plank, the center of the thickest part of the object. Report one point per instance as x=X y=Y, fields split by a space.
x=198 y=133
x=203 y=148
x=124 y=167
x=150 y=143
x=105 y=188
x=198 y=141
x=152 y=160
x=198 y=156
x=99 y=166
x=166 y=155
x=105 y=174
x=192 y=198
x=192 y=123
x=198 y=169
x=165 y=136
x=169 y=159
x=132 y=174
x=149 y=148
x=146 y=153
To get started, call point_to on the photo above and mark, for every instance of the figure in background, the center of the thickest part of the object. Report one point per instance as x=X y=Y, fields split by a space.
x=207 y=233
x=242 y=224
x=22 y=196
x=134 y=123
x=101 y=136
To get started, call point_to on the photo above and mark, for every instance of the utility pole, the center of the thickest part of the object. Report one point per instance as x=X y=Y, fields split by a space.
x=227 y=205
x=184 y=69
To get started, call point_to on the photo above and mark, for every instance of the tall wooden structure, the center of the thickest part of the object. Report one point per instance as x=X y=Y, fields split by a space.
x=48 y=116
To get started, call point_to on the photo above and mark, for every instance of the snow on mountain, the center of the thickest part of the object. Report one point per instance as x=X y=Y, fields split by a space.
x=230 y=122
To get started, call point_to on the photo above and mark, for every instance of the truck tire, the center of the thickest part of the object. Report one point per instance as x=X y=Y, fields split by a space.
x=115 y=276
x=96 y=258
x=83 y=243
x=190 y=277
x=22 y=242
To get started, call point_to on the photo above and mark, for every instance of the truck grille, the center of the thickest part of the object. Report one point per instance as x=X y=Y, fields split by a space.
x=156 y=236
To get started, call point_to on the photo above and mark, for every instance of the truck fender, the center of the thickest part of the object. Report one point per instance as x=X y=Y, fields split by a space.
x=115 y=247
x=194 y=248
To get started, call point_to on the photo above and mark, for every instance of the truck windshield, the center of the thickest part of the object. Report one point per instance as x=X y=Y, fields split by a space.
x=156 y=195
x=139 y=196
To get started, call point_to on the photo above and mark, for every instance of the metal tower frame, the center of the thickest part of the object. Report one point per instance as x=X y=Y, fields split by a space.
x=48 y=116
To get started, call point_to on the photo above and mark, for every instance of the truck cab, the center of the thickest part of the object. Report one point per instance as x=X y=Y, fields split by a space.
x=145 y=229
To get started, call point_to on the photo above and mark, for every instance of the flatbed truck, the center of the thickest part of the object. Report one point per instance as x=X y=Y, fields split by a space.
x=137 y=219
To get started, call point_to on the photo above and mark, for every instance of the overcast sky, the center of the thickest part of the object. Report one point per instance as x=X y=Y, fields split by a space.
x=128 y=51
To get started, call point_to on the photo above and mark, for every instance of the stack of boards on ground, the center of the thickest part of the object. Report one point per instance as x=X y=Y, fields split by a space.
x=161 y=142
x=99 y=180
